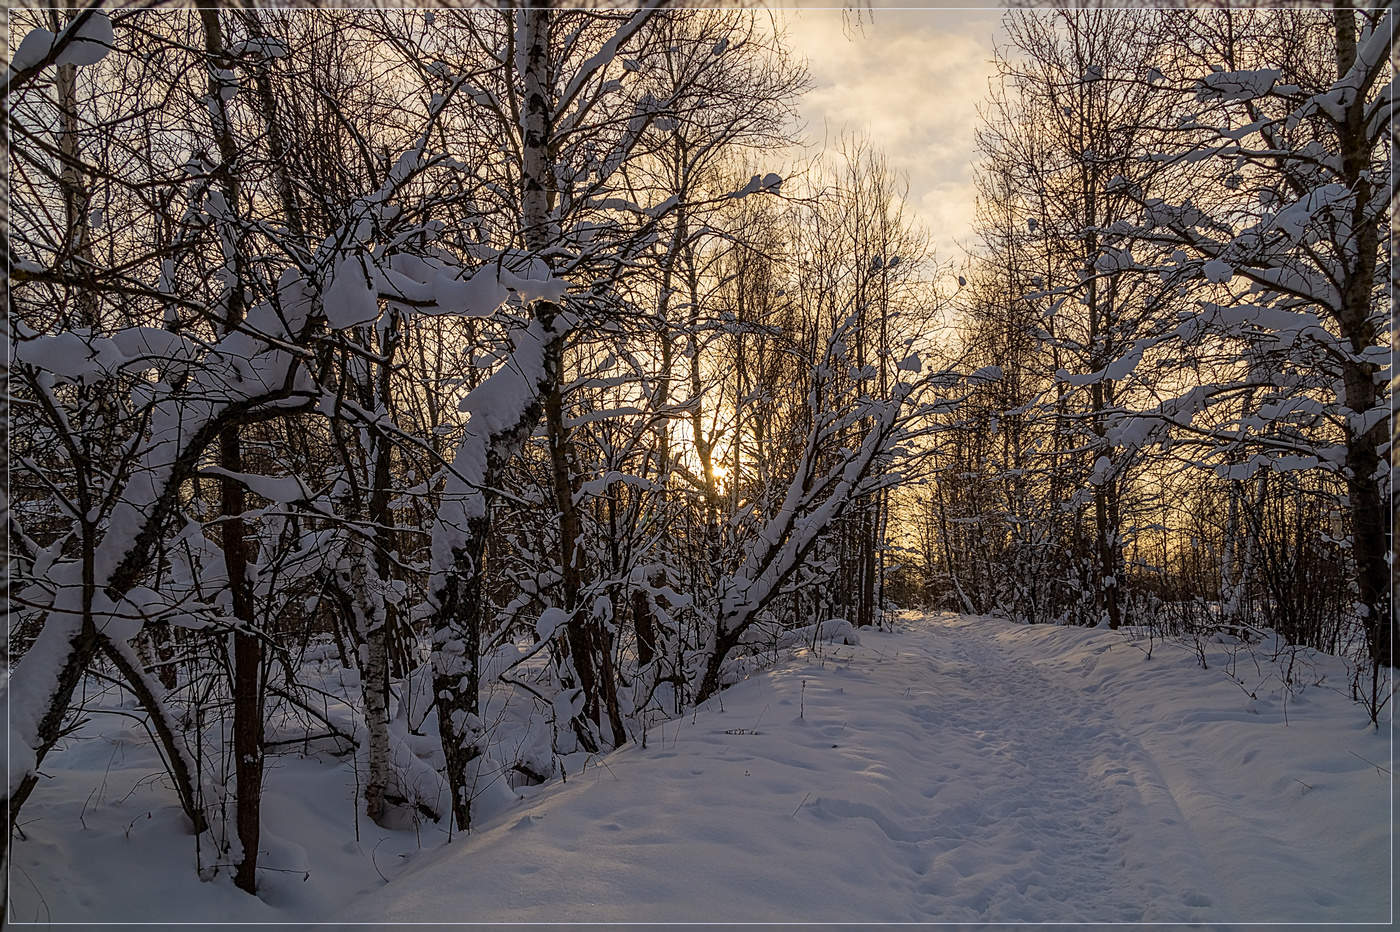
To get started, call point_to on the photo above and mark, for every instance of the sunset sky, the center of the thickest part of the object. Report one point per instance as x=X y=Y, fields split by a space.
x=912 y=81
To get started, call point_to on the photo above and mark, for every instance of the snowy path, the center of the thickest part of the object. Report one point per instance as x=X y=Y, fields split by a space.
x=961 y=770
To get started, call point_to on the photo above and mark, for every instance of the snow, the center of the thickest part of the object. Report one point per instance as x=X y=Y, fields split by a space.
x=259 y=47
x=835 y=630
x=1119 y=369
x=535 y=287
x=87 y=44
x=1239 y=85
x=770 y=183
x=493 y=408
x=1217 y=271
x=279 y=489
x=67 y=355
x=1295 y=218
x=480 y=294
x=549 y=621
x=986 y=374
x=80 y=357
x=349 y=299
x=960 y=769
x=235 y=370
x=971 y=770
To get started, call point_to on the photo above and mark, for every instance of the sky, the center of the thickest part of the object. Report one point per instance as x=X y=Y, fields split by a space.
x=911 y=80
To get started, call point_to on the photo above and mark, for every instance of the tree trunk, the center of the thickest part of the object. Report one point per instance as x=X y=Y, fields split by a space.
x=379 y=613
x=247 y=665
x=456 y=622
x=247 y=649
x=1370 y=546
x=581 y=630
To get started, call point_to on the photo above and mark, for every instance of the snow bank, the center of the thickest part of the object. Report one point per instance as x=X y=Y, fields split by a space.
x=959 y=770
x=835 y=631
x=965 y=771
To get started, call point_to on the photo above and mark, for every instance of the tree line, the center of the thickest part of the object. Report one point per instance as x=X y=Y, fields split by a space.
x=1183 y=270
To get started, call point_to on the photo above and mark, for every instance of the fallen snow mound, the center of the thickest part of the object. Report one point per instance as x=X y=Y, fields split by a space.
x=835 y=631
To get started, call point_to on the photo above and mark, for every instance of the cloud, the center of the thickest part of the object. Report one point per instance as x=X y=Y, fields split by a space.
x=911 y=80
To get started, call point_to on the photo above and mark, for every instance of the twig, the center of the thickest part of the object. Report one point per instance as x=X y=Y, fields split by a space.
x=375 y=863
x=1379 y=768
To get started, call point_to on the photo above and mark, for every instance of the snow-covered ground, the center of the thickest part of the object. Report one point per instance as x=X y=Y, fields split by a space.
x=958 y=769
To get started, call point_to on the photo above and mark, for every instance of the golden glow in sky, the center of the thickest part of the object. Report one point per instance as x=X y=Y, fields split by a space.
x=912 y=81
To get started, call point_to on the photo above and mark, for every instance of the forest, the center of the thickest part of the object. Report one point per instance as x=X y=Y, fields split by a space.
x=457 y=396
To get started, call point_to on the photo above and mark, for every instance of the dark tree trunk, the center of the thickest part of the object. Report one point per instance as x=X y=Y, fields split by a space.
x=1370 y=545
x=247 y=666
x=247 y=649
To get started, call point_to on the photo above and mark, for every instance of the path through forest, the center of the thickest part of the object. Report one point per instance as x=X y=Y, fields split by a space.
x=957 y=769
